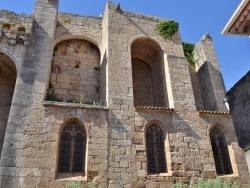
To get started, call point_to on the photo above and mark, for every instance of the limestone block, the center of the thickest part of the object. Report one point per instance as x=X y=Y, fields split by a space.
x=12 y=42
x=142 y=173
x=208 y=174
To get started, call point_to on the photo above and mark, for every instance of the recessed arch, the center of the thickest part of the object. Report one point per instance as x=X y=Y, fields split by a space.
x=148 y=73
x=8 y=75
x=75 y=71
x=11 y=56
x=76 y=37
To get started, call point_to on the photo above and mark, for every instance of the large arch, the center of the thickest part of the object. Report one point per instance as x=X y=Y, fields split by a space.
x=75 y=72
x=8 y=75
x=148 y=73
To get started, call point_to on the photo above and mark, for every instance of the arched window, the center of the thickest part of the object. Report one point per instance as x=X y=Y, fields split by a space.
x=72 y=149
x=156 y=159
x=220 y=152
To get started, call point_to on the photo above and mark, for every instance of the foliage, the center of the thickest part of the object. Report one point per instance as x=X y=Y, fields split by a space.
x=72 y=185
x=52 y=96
x=97 y=102
x=208 y=183
x=188 y=52
x=78 y=100
x=167 y=28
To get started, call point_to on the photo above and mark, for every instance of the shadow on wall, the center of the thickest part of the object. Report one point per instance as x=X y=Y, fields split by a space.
x=208 y=88
x=8 y=74
x=103 y=79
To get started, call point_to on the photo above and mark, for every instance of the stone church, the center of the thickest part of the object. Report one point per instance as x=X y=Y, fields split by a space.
x=108 y=102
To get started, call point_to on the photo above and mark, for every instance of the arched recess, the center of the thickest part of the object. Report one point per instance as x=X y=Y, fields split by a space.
x=75 y=72
x=220 y=152
x=8 y=75
x=148 y=72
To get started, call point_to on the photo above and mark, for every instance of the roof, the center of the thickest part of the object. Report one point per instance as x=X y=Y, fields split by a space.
x=205 y=112
x=153 y=108
x=239 y=22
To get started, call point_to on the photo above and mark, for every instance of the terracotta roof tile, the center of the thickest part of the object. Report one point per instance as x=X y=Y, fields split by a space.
x=213 y=112
x=154 y=108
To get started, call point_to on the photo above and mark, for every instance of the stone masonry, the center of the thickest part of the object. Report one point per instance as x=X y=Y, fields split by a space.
x=115 y=77
x=238 y=99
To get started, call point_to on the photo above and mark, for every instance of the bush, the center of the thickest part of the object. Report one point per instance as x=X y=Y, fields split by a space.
x=167 y=28
x=188 y=52
x=72 y=185
x=208 y=183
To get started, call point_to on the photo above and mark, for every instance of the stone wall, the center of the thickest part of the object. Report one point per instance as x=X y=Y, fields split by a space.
x=239 y=104
x=94 y=120
x=142 y=83
x=196 y=89
x=75 y=73
x=208 y=72
x=116 y=154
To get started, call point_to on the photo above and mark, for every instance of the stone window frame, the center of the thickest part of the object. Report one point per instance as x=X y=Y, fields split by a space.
x=229 y=134
x=165 y=130
x=78 y=176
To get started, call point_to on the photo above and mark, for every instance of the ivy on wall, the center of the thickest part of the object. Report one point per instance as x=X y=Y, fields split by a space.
x=188 y=52
x=167 y=28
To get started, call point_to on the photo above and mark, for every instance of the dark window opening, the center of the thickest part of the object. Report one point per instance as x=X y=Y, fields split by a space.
x=220 y=152
x=156 y=159
x=72 y=149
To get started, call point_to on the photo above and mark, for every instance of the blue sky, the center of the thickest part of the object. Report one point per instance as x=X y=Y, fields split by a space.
x=195 y=17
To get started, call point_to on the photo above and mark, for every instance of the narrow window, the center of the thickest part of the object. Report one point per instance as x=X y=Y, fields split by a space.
x=156 y=159
x=220 y=152
x=72 y=149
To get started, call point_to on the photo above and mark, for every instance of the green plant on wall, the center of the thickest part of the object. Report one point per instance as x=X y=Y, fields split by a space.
x=52 y=96
x=188 y=52
x=208 y=183
x=72 y=185
x=167 y=28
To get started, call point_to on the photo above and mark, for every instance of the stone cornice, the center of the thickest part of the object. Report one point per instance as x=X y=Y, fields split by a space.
x=73 y=105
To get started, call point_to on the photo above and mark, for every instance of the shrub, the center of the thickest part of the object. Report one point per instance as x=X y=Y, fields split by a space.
x=72 y=185
x=188 y=52
x=208 y=183
x=167 y=28
x=52 y=96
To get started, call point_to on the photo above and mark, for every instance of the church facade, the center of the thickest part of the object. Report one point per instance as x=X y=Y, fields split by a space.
x=108 y=102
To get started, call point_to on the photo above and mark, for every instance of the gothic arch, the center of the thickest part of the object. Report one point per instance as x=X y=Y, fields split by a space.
x=11 y=56
x=8 y=75
x=148 y=73
x=155 y=149
x=72 y=148
x=162 y=163
x=75 y=71
x=220 y=151
x=79 y=37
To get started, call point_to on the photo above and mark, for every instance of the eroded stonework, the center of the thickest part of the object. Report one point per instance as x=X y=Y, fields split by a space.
x=117 y=79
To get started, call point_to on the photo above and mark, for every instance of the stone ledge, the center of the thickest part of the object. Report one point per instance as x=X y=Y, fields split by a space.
x=73 y=105
x=154 y=108
x=208 y=113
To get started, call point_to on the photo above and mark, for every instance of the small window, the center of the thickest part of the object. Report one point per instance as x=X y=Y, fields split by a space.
x=156 y=159
x=220 y=152
x=72 y=149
